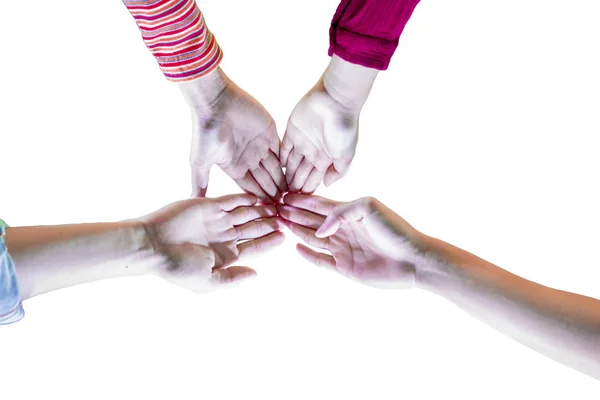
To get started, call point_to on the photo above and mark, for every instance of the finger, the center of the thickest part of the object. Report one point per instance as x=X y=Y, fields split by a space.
x=226 y=276
x=300 y=216
x=262 y=177
x=286 y=149
x=276 y=145
x=307 y=235
x=316 y=204
x=273 y=167
x=335 y=172
x=241 y=215
x=330 y=226
x=256 y=229
x=302 y=173
x=257 y=246
x=319 y=259
x=200 y=175
x=248 y=184
x=232 y=201
x=293 y=162
x=313 y=181
x=348 y=212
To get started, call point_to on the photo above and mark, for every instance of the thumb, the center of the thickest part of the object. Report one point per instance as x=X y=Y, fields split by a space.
x=200 y=175
x=231 y=275
x=348 y=212
x=330 y=225
x=335 y=172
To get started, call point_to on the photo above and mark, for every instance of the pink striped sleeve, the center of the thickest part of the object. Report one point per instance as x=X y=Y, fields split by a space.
x=177 y=36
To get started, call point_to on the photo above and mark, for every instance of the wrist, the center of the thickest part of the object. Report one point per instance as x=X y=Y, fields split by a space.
x=431 y=267
x=348 y=84
x=444 y=268
x=203 y=94
x=146 y=252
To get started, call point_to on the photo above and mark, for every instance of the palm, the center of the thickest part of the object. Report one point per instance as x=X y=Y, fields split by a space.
x=241 y=138
x=320 y=140
x=228 y=227
x=359 y=257
x=366 y=250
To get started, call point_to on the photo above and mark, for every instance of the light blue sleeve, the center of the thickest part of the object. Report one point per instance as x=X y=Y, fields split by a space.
x=11 y=309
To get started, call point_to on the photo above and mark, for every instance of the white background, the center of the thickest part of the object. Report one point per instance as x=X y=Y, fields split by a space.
x=483 y=132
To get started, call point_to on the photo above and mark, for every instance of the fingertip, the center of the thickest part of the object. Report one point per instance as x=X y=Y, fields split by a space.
x=321 y=234
x=288 y=198
x=271 y=210
x=237 y=274
x=280 y=236
x=251 y=198
x=264 y=201
x=249 y=273
x=303 y=250
x=327 y=229
x=331 y=178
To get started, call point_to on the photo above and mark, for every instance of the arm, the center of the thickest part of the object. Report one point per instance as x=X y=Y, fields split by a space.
x=53 y=257
x=230 y=128
x=373 y=245
x=561 y=325
x=191 y=243
x=322 y=132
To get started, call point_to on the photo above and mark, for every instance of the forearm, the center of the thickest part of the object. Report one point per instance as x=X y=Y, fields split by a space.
x=561 y=325
x=53 y=257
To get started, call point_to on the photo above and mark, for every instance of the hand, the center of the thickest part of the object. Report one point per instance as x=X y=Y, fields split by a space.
x=322 y=131
x=198 y=239
x=234 y=131
x=368 y=242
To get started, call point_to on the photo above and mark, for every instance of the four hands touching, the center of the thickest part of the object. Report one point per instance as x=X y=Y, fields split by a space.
x=195 y=243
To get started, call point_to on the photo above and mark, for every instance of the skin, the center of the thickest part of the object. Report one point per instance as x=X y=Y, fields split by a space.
x=234 y=131
x=191 y=243
x=369 y=243
x=322 y=131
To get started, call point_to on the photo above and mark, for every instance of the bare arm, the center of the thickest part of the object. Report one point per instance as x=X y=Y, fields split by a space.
x=563 y=326
x=191 y=243
x=53 y=257
x=373 y=245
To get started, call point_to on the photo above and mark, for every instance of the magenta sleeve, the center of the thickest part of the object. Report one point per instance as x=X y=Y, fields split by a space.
x=366 y=32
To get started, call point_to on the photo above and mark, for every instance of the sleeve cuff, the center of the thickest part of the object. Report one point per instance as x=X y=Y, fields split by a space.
x=13 y=316
x=11 y=309
x=359 y=49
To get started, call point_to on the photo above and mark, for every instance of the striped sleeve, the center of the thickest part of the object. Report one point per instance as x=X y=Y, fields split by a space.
x=176 y=34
